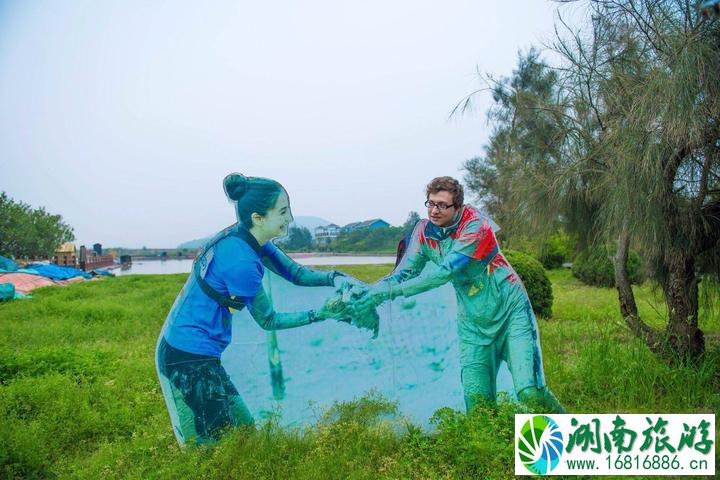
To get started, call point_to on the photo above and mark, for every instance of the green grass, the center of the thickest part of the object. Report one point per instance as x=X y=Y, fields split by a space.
x=79 y=396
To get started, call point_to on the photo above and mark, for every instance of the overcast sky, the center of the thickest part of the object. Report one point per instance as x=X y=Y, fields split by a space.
x=124 y=117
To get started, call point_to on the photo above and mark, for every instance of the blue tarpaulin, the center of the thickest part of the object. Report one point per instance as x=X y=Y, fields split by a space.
x=7 y=265
x=55 y=272
x=7 y=292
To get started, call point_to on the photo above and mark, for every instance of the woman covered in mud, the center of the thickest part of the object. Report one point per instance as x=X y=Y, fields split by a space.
x=227 y=275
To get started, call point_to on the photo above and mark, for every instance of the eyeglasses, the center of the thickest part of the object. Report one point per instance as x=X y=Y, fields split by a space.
x=440 y=206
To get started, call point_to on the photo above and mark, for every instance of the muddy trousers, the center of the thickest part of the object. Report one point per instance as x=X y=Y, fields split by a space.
x=517 y=344
x=201 y=399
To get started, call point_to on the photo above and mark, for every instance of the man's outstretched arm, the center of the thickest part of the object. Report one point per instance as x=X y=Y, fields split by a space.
x=475 y=242
x=432 y=276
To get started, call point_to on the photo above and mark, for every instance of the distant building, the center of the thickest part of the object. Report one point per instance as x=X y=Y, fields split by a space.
x=325 y=235
x=90 y=260
x=65 y=255
x=373 y=224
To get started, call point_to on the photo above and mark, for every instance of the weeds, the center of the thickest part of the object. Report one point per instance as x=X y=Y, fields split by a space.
x=79 y=396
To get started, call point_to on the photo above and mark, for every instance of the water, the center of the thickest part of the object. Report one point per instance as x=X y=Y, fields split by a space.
x=414 y=361
x=144 y=267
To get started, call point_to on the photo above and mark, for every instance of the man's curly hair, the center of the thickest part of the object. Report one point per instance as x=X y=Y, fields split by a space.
x=448 y=184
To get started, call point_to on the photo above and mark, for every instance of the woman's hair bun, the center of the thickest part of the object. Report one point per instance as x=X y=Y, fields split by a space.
x=235 y=186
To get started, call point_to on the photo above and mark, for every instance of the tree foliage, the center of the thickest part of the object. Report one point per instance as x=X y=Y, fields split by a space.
x=526 y=137
x=30 y=233
x=379 y=240
x=298 y=239
x=556 y=250
x=412 y=219
x=621 y=143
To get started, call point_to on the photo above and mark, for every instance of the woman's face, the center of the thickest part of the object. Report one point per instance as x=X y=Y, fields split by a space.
x=275 y=222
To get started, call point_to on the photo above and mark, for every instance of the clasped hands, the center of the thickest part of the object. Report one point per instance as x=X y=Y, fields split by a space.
x=355 y=303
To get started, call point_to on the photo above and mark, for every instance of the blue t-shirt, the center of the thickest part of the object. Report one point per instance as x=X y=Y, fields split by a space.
x=196 y=323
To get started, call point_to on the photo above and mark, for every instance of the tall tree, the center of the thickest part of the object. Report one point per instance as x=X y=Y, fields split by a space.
x=412 y=218
x=299 y=238
x=656 y=68
x=528 y=143
x=634 y=148
x=30 y=233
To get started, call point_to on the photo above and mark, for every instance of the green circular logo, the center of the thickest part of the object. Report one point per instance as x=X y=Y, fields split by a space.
x=540 y=444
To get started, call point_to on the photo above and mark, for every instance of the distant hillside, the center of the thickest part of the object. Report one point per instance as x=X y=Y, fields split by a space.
x=309 y=222
x=193 y=244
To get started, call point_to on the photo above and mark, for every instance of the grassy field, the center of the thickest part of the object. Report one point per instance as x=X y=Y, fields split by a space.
x=79 y=397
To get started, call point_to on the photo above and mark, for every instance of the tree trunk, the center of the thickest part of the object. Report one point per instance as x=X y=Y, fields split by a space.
x=685 y=340
x=628 y=307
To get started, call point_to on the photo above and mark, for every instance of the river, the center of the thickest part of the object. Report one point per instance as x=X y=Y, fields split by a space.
x=183 y=266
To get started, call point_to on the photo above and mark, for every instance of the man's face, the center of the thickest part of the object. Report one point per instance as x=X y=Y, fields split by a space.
x=439 y=217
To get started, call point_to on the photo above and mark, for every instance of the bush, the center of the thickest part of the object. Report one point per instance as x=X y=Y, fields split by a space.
x=536 y=282
x=595 y=267
x=555 y=251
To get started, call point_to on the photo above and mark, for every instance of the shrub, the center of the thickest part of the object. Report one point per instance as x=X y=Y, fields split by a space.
x=555 y=251
x=595 y=267
x=536 y=282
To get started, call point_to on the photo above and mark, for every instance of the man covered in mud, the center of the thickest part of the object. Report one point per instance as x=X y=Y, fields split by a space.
x=495 y=319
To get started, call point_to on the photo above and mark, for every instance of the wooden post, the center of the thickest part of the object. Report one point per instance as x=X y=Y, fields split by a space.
x=83 y=257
